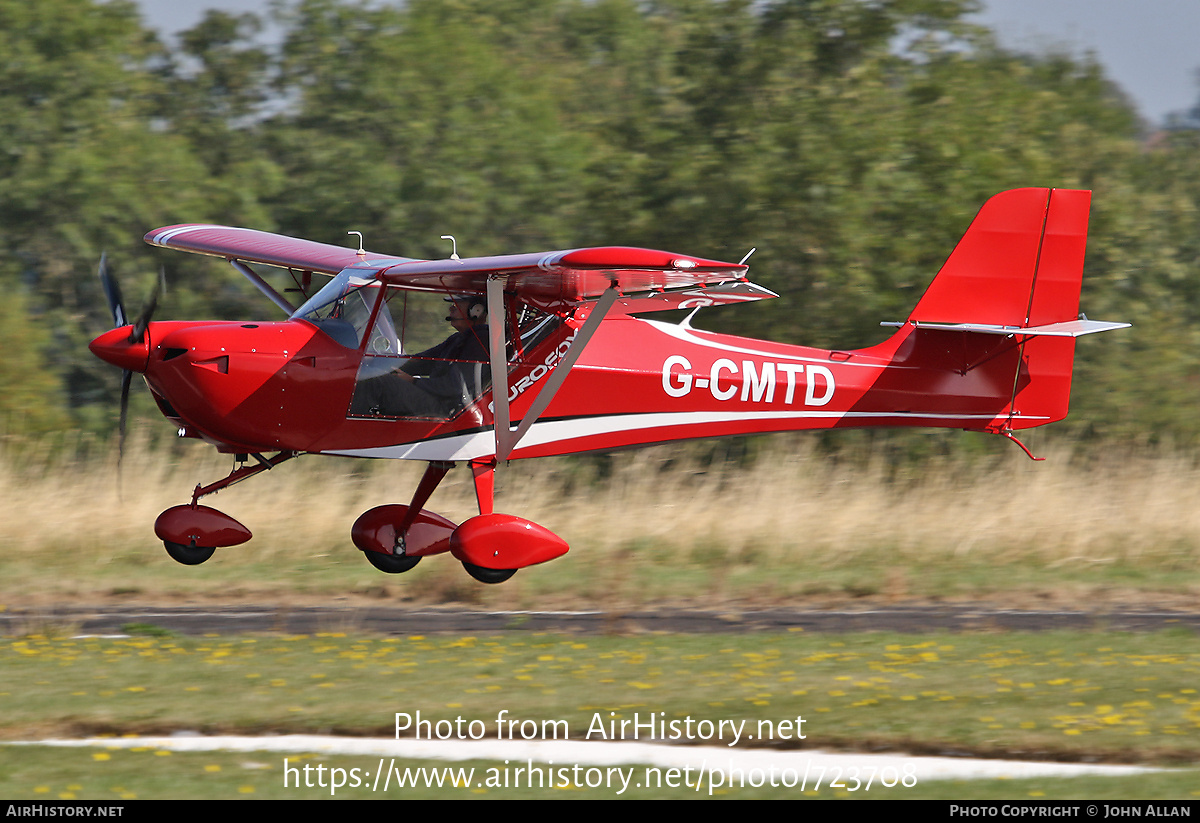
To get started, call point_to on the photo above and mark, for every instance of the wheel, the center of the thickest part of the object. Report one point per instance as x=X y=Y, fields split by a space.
x=391 y=563
x=188 y=555
x=484 y=575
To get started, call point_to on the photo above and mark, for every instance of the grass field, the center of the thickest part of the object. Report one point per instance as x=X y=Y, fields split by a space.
x=656 y=527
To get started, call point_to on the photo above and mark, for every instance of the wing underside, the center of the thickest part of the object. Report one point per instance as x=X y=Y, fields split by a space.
x=646 y=279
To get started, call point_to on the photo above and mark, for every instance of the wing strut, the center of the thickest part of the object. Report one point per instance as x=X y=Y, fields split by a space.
x=264 y=287
x=506 y=437
x=499 y=361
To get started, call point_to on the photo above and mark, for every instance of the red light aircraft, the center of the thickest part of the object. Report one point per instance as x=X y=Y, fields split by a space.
x=550 y=358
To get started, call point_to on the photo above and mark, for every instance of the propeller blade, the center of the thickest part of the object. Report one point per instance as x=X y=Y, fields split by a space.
x=143 y=321
x=112 y=293
x=126 y=378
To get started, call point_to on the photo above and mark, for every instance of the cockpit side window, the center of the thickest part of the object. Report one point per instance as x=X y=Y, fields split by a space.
x=433 y=372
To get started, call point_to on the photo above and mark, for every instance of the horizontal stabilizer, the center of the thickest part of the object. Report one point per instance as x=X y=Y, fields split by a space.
x=1067 y=328
x=721 y=294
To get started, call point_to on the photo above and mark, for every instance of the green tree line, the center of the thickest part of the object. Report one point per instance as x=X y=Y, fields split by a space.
x=850 y=141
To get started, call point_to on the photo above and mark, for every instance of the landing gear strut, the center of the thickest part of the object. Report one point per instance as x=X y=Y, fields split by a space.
x=394 y=538
x=191 y=534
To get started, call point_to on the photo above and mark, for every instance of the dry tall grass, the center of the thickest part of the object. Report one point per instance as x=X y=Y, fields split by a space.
x=659 y=526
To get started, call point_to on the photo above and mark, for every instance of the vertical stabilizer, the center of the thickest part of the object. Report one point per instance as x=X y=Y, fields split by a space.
x=1019 y=264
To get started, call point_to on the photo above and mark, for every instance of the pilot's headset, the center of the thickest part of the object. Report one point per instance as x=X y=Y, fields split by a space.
x=476 y=306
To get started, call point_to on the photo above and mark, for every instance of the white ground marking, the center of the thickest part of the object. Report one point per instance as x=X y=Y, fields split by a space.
x=707 y=758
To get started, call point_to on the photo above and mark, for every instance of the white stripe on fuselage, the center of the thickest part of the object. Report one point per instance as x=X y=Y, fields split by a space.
x=483 y=444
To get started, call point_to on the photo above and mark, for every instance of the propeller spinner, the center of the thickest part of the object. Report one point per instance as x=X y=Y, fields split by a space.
x=126 y=346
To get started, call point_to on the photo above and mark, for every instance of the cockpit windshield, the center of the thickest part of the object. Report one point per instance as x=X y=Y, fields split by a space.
x=342 y=309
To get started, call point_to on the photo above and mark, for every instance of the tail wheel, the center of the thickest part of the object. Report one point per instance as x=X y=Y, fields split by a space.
x=191 y=555
x=391 y=563
x=484 y=575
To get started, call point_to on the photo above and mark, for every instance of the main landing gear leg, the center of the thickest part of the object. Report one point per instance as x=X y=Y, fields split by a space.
x=434 y=473
x=484 y=473
x=382 y=533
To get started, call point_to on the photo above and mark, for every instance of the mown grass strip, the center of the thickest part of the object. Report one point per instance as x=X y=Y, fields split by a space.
x=1120 y=698
x=50 y=774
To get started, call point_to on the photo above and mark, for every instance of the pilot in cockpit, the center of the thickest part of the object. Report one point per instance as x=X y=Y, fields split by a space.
x=440 y=380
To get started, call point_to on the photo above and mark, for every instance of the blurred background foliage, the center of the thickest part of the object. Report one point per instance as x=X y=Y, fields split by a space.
x=851 y=142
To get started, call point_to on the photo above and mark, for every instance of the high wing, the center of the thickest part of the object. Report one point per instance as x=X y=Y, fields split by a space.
x=574 y=276
x=253 y=246
x=646 y=279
